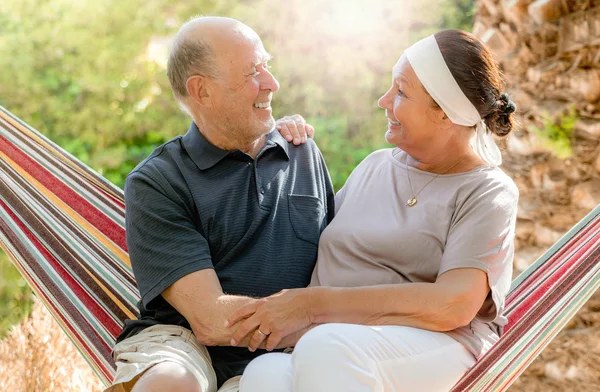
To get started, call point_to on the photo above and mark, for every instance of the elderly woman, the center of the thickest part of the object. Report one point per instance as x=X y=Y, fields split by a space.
x=412 y=273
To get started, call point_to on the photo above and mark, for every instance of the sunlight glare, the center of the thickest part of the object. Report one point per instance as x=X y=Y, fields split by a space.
x=355 y=18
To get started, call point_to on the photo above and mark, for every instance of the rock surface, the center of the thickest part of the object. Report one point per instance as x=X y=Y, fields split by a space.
x=549 y=54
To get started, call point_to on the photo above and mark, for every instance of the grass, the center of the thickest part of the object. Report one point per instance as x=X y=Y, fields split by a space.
x=36 y=356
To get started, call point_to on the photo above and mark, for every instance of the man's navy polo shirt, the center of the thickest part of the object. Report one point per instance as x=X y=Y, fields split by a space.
x=192 y=206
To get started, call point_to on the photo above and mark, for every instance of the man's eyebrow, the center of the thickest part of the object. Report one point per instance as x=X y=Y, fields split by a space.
x=267 y=57
x=262 y=59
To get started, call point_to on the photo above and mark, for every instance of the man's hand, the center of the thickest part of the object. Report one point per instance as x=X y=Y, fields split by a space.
x=295 y=129
x=272 y=318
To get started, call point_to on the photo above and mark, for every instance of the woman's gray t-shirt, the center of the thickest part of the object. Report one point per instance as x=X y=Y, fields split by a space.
x=464 y=220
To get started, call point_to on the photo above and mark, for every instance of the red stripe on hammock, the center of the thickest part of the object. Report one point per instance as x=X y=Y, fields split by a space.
x=63 y=159
x=533 y=278
x=107 y=226
x=117 y=201
x=542 y=291
x=90 y=303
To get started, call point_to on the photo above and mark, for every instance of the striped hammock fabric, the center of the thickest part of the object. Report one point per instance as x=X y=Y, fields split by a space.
x=63 y=227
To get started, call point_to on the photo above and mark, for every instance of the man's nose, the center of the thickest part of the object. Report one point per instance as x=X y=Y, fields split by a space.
x=269 y=82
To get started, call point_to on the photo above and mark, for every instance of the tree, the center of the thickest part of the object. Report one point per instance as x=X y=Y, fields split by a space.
x=91 y=76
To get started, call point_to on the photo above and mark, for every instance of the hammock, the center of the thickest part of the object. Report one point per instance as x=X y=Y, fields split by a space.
x=62 y=225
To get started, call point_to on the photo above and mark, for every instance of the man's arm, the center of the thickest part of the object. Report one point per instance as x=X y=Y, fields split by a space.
x=170 y=257
x=200 y=299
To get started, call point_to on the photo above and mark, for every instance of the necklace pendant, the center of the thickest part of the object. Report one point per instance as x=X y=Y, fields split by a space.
x=411 y=202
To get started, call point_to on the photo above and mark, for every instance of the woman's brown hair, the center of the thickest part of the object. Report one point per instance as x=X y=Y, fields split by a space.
x=473 y=66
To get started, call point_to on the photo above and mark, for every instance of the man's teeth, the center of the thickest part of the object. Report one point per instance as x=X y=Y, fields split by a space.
x=262 y=105
x=393 y=122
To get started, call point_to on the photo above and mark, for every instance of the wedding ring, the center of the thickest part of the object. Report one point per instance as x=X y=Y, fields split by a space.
x=262 y=333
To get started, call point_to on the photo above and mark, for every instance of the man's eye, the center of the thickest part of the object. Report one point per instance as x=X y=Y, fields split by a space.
x=257 y=72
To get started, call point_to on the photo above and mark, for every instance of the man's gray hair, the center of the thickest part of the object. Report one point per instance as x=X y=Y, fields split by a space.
x=189 y=55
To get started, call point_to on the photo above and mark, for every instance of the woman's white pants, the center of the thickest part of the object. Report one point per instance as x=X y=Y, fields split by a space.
x=357 y=358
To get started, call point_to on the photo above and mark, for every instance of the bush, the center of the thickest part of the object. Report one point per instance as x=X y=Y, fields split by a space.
x=556 y=134
x=16 y=298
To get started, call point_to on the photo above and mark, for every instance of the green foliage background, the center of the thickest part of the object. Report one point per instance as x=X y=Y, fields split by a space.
x=90 y=75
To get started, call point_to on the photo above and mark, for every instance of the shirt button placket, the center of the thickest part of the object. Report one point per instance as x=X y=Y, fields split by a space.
x=259 y=187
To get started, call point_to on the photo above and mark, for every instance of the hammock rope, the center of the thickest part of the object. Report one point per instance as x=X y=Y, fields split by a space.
x=62 y=225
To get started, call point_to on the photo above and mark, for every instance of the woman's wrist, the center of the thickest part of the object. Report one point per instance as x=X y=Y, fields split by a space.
x=318 y=299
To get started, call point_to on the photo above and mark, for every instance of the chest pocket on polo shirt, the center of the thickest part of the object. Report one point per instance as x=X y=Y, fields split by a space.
x=307 y=216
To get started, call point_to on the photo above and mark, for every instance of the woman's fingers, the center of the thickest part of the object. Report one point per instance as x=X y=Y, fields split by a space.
x=293 y=127
x=257 y=338
x=301 y=126
x=245 y=329
x=241 y=313
x=285 y=131
x=273 y=340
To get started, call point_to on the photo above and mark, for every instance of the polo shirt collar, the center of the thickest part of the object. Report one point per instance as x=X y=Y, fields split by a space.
x=205 y=155
x=275 y=138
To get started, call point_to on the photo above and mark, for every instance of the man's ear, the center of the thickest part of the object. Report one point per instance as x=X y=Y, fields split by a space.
x=197 y=88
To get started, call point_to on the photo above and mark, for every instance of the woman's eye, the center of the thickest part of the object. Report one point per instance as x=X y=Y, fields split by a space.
x=401 y=93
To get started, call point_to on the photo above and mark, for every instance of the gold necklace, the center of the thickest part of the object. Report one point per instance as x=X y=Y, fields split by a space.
x=413 y=200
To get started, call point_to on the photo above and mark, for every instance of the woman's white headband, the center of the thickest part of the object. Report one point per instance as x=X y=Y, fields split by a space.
x=428 y=63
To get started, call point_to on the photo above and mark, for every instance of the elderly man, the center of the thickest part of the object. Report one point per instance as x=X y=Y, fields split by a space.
x=228 y=212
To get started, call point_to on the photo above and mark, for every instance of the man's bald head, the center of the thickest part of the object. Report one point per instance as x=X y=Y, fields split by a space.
x=219 y=73
x=195 y=47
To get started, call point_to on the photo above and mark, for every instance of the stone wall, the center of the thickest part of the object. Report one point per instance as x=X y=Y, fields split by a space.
x=549 y=51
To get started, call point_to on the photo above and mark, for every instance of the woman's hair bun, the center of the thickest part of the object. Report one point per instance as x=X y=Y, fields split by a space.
x=501 y=120
x=507 y=106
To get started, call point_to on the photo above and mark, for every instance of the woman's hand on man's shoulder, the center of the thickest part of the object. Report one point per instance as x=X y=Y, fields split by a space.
x=294 y=129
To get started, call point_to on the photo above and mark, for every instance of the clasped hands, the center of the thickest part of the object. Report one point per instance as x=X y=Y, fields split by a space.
x=271 y=322
x=282 y=318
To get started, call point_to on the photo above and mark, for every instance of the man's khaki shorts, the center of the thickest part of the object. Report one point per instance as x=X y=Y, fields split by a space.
x=160 y=343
